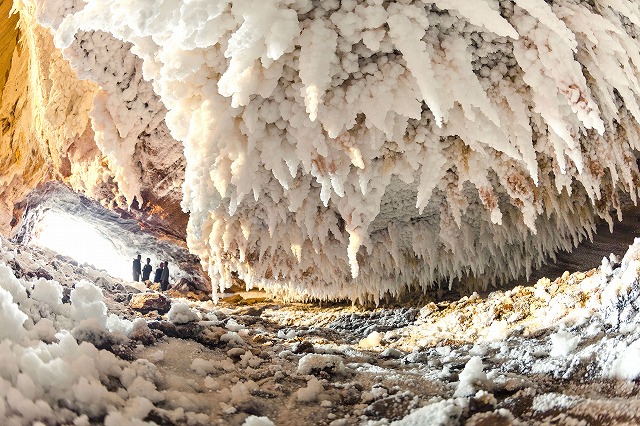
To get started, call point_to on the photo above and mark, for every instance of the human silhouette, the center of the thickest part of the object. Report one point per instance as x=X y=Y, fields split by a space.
x=136 y=268
x=158 y=275
x=164 y=279
x=146 y=270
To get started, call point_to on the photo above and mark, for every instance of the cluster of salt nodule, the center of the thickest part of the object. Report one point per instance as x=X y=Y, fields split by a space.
x=353 y=148
x=43 y=363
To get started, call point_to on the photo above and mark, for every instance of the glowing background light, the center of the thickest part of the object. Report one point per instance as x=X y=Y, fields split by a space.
x=81 y=241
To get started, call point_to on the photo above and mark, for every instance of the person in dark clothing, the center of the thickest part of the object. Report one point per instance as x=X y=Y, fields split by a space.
x=137 y=268
x=164 y=279
x=146 y=270
x=158 y=275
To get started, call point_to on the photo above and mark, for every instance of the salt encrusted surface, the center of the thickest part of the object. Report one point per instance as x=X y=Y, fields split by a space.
x=348 y=149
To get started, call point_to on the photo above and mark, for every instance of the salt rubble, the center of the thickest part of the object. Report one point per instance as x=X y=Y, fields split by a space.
x=349 y=149
x=70 y=354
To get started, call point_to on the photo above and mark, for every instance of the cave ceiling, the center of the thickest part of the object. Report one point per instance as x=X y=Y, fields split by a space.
x=331 y=149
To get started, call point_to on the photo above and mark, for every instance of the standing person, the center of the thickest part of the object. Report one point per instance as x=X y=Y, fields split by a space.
x=137 y=268
x=158 y=275
x=164 y=279
x=146 y=271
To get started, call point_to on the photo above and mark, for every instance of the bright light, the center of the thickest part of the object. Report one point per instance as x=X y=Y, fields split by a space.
x=80 y=241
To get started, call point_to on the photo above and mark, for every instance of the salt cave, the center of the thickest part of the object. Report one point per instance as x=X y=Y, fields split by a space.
x=335 y=149
x=380 y=167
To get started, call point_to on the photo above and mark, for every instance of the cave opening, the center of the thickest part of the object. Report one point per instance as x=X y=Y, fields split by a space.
x=78 y=239
x=57 y=218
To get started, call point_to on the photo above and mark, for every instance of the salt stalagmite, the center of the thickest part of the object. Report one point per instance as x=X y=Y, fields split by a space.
x=352 y=148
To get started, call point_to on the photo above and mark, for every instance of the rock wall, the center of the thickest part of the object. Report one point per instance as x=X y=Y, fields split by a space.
x=50 y=132
x=44 y=114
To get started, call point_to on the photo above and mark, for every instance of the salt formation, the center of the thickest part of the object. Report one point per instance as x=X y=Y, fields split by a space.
x=353 y=148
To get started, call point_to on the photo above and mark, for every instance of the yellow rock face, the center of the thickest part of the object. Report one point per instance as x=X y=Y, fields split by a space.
x=44 y=113
x=9 y=35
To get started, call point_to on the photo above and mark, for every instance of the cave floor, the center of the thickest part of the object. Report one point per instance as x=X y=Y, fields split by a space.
x=560 y=351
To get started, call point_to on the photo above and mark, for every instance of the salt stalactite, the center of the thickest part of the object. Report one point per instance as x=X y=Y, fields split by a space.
x=353 y=148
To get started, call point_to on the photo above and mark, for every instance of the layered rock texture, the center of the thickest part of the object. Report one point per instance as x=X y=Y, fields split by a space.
x=338 y=149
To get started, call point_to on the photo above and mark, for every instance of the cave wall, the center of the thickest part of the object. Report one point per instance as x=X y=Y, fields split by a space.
x=57 y=126
x=9 y=38
x=44 y=114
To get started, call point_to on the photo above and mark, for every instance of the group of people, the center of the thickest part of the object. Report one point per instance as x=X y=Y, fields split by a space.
x=161 y=276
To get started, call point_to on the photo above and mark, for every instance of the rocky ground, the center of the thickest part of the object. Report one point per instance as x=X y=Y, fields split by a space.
x=561 y=351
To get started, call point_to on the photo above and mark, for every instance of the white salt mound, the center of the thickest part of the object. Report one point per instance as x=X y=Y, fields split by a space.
x=86 y=299
x=563 y=343
x=471 y=374
x=257 y=421
x=316 y=362
x=181 y=313
x=550 y=401
x=311 y=392
x=372 y=340
x=47 y=291
x=441 y=413
x=627 y=364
